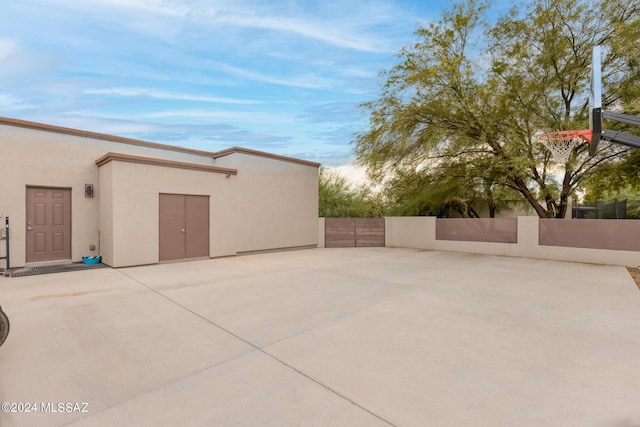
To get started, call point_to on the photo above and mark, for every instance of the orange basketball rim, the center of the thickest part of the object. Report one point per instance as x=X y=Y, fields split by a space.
x=561 y=143
x=567 y=135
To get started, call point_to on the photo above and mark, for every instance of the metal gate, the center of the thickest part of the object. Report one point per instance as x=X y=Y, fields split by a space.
x=354 y=232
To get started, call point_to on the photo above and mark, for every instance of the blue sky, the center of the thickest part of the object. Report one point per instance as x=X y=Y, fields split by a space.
x=279 y=76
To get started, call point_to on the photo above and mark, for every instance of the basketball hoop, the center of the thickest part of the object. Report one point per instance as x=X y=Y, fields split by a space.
x=562 y=142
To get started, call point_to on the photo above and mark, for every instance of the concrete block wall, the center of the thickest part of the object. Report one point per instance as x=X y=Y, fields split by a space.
x=420 y=233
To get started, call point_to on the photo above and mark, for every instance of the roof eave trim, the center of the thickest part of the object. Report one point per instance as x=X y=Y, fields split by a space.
x=248 y=151
x=162 y=162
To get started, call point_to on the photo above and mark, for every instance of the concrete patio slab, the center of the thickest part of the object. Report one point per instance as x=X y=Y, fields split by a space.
x=367 y=336
x=97 y=337
x=476 y=354
x=252 y=390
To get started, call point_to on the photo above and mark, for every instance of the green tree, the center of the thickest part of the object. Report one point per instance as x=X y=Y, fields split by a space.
x=442 y=191
x=338 y=200
x=463 y=109
x=619 y=180
x=614 y=180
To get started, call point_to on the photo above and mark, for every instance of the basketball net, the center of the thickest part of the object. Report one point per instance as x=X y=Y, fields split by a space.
x=562 y=143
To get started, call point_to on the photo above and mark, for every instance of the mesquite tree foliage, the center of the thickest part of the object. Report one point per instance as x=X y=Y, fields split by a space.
x=457 y=121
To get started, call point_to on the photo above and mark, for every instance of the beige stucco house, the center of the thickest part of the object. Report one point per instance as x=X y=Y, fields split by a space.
x=72 y=193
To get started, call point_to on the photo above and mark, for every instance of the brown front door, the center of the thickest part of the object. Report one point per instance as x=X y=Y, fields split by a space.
x=48 y=224
x=184 y=226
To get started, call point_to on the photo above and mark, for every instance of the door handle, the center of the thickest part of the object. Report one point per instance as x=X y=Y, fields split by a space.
x=182 y=230
x=28 y=228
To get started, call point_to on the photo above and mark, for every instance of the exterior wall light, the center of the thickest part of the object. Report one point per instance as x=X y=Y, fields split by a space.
x=88 y=190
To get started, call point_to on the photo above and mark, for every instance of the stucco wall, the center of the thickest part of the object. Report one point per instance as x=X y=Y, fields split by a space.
x=106 y=213
x=272 y=203
x=48 y=159
x=135 y=190
x=277 y=202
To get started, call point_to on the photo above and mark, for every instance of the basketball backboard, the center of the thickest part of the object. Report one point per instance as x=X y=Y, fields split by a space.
x=561 y=143
x=595 y=101
x=597 y=114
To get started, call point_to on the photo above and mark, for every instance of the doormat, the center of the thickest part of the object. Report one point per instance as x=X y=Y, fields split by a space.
x=76 y=266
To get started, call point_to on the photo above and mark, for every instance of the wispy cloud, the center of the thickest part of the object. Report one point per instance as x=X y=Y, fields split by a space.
x=158 y=94
x=163 y=132
x=334 y=112
x=246 y=136
x=308 y=81
x=360 y=72
x=97 y=123
x=229 y=116
x=354 y=31
x=306 y=28
x=12 y=103
x=8 y=47
x=205 y=136
x=162 y=7
x=270 y=73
